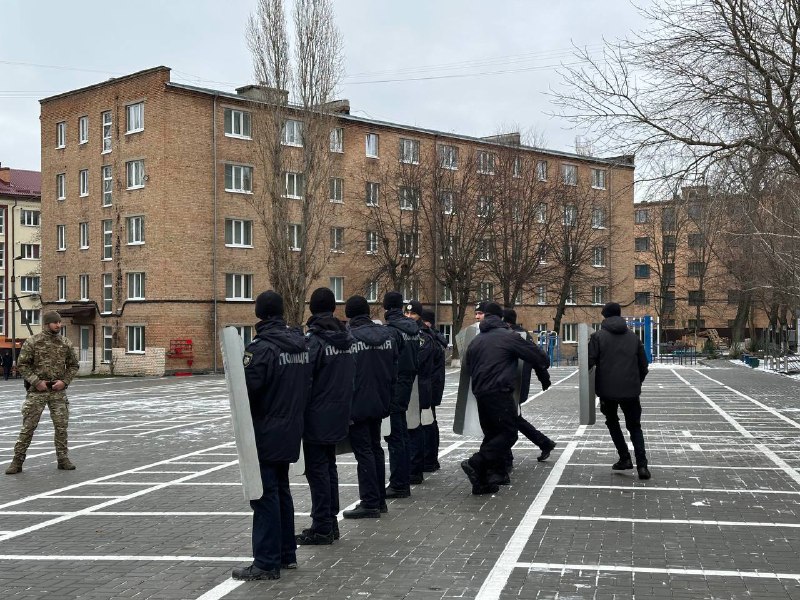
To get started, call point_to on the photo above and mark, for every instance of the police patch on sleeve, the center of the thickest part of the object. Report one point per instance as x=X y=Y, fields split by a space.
x=247 y=359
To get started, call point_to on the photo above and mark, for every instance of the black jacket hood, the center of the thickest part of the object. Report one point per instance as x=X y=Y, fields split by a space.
x=615 y=325
x=492 y=322
x=274 y=330
x=437 y=335
x=395 y=318
x=364 y=330
x=330 y=329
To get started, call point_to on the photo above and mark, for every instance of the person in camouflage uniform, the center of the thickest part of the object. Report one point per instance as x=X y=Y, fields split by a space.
x=48 y=363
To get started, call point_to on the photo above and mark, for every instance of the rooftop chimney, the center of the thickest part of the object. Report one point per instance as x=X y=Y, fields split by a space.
x=512 y=139
x=5 y=174
x=264 y=93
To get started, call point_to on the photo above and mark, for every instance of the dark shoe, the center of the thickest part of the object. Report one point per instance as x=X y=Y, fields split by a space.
x=546 y=453
x=360 y=512
x=312 y=538
x=394 y=493
x=253 y=573
x=644 y=472
x=14 y=468
x=472 y=473
x=65 y=464
x=384 y=509
x=623 y=464
x=497 y=479
x=434 y=467
x=335 y=530
x=289 y=565
x=478 y=490
x=416 y=479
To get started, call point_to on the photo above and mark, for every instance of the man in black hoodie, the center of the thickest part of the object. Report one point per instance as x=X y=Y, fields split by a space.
x=278 y=375
x=431 y=432
x=492 y=362
x=621 y=363
x=375 y=353
x=416 y=436
x=406 y=335
x=327 y=415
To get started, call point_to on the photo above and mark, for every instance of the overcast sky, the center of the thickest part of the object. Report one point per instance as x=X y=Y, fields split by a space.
x=467 y=66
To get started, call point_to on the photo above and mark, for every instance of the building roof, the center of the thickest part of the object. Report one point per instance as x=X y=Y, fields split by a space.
x=21 y=183
x=110 y=81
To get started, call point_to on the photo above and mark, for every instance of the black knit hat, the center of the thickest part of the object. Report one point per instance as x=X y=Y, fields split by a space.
x=611 y=309
x=481 y=306
x=413 y=306
x=356 y=306
x=493 y=308
x=510 y=316
x=429 y=317
x=269 y=304
x=322 y=300
x=392 y=300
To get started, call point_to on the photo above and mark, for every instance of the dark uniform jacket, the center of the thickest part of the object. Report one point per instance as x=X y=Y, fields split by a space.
x=406 y=333
x=492 y=358
x=541 y=373
x=375 y=351
x=619 y=356
x=425 y=371
x=327 y=417
x=278 y=375
x=438 y=368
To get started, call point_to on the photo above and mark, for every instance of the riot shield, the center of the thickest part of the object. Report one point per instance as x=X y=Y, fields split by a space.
x=232 y=354
x=522 y=388
x=412 y=413
x=586 y=392
x=465 y=420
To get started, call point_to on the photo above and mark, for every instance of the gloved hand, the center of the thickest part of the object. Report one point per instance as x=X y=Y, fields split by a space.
x=545 y=385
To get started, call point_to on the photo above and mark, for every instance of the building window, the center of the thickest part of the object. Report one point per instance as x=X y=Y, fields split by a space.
x=371 y=142
x=485 y=290
x=237 y=123
x=61 y=186
x=541 y=294
x=669 y=273
x=641 y=271
x=2 y=260
x=570 y=215
x=372 y=193
x=28 y=218
x=108 y=340
x=337 y=139
x=337 y=239
x=410 y=290
x=669 y=302
x=569 y=332
x=409 y=198
x=371 y=293
x=61 y=135
x=408 y=244
x=695 y=241
x=485 y=250
x=448 y=157
x=61 y=237
x=293 y=185
x=238 y=178
x=135 y=170
x=336 y=190
x=696 y=297
x=30 y=284
x=446 y=295
x=599 y=257
x=696 y=269
x=599 y=179
x=134 y=227
x=238 y=286
x=106 y=119
x=108 y=296
x=569 y=174
x=409 y=151
x=447 y=202
x=642 y=244
x=670 y=245
x=541 y=170
x=446 y=329
x=485 y=206
x=108 y=249
x=598 y=218
x=293 y=232
x=599 y=293
x=83 y=284
x=238 y=233
x=641 y=216
x=135 y=117
x=83 y=235
x=697 y=324
x=543 y=252
x=108 y=184
x=541 y=212
x=572 y=295
x=30 y=251
x=83 y=183
x=31 y=316
x=135 y=286
x=642 y=299
x=485 y=162
x=337 y=286
x=372 y=242
x=135 y=339
x=516 y=167
x=669 y=219
x=83 y=130
x=246 y=333
x=292 y=133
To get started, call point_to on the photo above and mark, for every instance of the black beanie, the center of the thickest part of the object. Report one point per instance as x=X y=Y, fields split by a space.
x=611 y=309
x=510 y=316
x=322 y=300
x=392 y=300
x=493 y=308
x=356 y=306
x=413 y=306
x=269 y=304
x=429 y=317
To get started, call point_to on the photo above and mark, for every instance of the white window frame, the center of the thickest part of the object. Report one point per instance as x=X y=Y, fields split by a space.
x=136 y=285
x=571 y=299
x=372 y=145
x=641 y=216
x=445 y=295
x=30 y=251
x=61 y=186
x=240 y=178
x=408 y=243
x=134 y=230
x=447 y=201
x=371 y=293
x=336 y=141
x=446 y=329
x=31 y=316
x=238 y=287
x=108 y=293
x=486 y=290
x=599 y=256
x=107 y=122
x=336 y=190
x=61 y=134
x=570 y=215
x=108 y=343
x=599 y=294
x=83 y=235
x=569 y=333
x=292 y=133
x=237 y=119
x=372 y=193
x=134 y=118
x=485 y=250
x=448 y=157
x=107 y=226
x=134 y=170
x=599 y=179
x=541 y=295
x=516 y=167
x=293 y=185
x=30 y=284
x=135 y=342
x=337 y=240
x=241 y=233
x=372 y=242
x=485 y=160
x=61 y=288
x=569 y=174
x=245 y=332
x=541 y=170
x=83 y=183
x=29 y=218
x=409 y=151
x=61 y=238
x=541 y=212
x=485 y=206
x=83 y=130
x=337 y=287
x=599 y=218
x=293 y=233
x=83 y=285
x=409 y=197
x=107 y=177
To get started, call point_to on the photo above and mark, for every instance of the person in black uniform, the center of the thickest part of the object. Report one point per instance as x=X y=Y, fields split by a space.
x=544 y=443
x=7 y=364
x=278 y=376
x=621 y=363
x=492 y=363
x=375 y=353
x=416 y=436
x=327 y=414
x=431 y=432
x=406 y=335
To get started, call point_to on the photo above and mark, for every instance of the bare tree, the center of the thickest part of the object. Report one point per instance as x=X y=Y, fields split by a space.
x=291 y=199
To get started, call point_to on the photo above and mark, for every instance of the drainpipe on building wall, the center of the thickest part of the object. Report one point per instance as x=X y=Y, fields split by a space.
x=435 y=248
x=13 y=255
x=214 y=247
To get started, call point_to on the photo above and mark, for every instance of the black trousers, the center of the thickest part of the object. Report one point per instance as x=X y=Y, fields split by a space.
x=398 y=442
x=416 y=450
x=632 y=409
x=497 y=414
x=273 y=519
x=431 y=433
x=365 y=438
x=527 y=429
x=323 y=479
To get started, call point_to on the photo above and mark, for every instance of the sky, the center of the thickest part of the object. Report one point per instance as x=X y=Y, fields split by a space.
x=464 y=66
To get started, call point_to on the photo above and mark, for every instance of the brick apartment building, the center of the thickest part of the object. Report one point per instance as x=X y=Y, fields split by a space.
x=20 y=247
x=149 y=240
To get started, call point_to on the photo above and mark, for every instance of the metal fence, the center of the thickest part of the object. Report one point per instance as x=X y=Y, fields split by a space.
x=783 y=364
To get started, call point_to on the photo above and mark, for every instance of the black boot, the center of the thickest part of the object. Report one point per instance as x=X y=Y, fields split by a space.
x=311 y=538
x=546 y=452
x=361 y=512
x=253 y=573
x=643 y=471
x=395 y=493
x=623 y=464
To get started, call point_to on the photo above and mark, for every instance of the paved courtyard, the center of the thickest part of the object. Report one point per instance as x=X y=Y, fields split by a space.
x=155 y=508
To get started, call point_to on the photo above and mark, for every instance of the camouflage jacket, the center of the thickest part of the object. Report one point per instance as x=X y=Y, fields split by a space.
x=47 y=357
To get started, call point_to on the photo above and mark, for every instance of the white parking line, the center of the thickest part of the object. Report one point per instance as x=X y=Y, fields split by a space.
x=672 y=521
x=653 y=488
x=534 y=566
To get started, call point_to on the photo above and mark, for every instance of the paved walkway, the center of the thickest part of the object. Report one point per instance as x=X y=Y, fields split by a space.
x=155 y=509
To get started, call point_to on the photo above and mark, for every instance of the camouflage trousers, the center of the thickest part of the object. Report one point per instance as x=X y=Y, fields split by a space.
x=32 y=410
